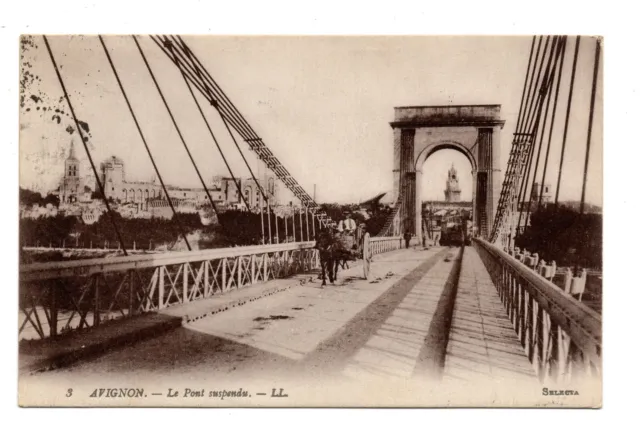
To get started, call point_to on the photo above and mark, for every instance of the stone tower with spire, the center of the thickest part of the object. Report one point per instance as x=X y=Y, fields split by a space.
x=452 y=192
x=71 y=186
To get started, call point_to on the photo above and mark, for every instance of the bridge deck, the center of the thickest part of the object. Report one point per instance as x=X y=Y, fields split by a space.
x=385 y=328
x=483 y=345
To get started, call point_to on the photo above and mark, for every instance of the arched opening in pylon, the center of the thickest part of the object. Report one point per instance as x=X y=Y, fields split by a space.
x=435 y=178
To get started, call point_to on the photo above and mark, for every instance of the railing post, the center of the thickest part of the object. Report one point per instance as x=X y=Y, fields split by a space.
x=520 y=310
x=293 y=224
x=265 y=262
x=546 y=339
x=301 y=233
x=161 y=287
x=96 y=305
x=224 y=274
x=253 y=269
x=568 y=276
x=508 y=295
x=206 y=278
x=539 y=341
x=554 y=357
x=526 y=312
x=53 y=308
x=185 y=282
x=131 y=291
x=531 y=323
x=561 y=358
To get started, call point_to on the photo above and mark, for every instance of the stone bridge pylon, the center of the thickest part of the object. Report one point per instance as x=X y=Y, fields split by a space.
x=420 y=131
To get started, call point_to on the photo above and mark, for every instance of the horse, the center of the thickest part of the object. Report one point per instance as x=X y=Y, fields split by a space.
x=332 y=254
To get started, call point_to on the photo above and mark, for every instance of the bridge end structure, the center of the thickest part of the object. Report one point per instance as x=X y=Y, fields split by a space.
x=420 y=131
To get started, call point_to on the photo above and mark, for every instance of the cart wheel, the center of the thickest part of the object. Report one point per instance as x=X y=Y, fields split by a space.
x=366 y=255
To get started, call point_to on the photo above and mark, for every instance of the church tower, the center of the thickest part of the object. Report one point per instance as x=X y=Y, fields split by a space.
x=71 y=183
x=452 y=193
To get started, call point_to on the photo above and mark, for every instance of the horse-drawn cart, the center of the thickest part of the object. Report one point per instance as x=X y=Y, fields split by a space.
x=357 y=250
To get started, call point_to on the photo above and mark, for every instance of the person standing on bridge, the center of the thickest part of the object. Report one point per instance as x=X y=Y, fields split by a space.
x=407 y=238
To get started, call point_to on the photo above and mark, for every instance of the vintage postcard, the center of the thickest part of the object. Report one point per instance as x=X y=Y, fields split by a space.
x=235 y=221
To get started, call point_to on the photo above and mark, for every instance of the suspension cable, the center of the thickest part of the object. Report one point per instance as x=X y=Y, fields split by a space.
x=205 y=83
x=144 y=141
x=204 y=118
x=524 y=113
x=255 y=180
x=566 y=122
x=175 y=124
x=262 y=218
x=506 y=192
x=553 y=118
x=180 y=55
x=264 y=196
x=544 y=124
x=594 y=87
x=526 y=81
x=531 y=107
x=269 y=225
x=532 y=128
x=275 y=216
x=93 y=167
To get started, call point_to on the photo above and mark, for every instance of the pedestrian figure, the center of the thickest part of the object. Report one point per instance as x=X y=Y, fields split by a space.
x=407 y=238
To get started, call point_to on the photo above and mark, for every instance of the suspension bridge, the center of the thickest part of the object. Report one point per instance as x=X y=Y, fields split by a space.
x=486 y=311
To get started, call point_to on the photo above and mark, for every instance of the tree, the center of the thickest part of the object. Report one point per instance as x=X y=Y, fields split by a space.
x=563 y=235
x=51 y=199
x=28 y=197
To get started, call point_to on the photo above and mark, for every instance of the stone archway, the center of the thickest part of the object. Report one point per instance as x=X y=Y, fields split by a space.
x=420 y=131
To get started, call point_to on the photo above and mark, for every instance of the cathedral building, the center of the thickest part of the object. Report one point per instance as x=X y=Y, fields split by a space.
x=72 y=187
x=145 y=194
x=149 y=198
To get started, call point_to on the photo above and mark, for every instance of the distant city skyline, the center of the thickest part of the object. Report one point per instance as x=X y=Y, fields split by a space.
x=322 y=104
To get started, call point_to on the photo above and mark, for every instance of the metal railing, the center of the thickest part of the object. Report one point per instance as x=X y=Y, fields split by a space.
x=387 y=244
x=561 y=336
x=58 y=297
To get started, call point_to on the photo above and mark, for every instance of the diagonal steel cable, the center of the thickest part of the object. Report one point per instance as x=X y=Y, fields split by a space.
x=144 y=141
x=93 y=167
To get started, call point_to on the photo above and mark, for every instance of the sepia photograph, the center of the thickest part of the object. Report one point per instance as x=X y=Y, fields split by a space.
x=310 y=221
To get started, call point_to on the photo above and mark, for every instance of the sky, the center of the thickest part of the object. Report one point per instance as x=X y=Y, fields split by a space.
x=322 y=104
